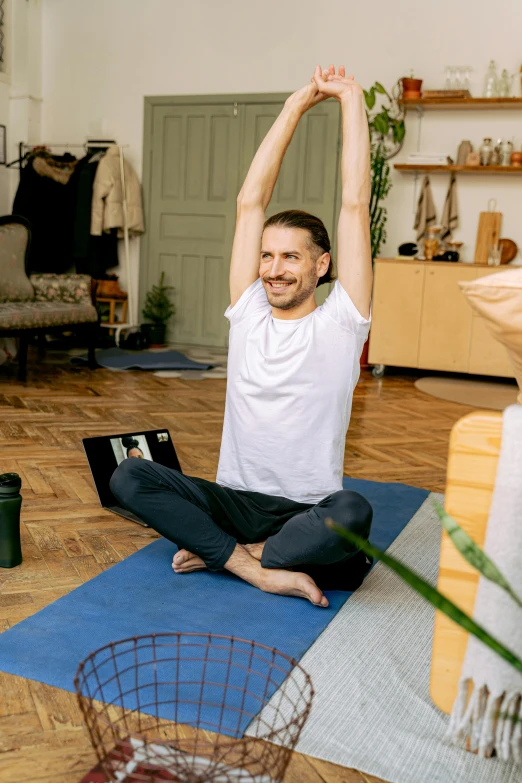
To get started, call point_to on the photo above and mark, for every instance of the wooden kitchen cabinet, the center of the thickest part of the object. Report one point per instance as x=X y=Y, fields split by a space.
x=397 y=302
x=421 y=319
x=446 y=319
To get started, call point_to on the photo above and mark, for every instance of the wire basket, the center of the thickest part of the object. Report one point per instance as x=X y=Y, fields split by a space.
x=191 y=707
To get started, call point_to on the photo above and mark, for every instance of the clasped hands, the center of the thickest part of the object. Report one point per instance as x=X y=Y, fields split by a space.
x=325 y=84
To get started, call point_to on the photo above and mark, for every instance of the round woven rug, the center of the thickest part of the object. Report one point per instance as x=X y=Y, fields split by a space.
x=478 y=394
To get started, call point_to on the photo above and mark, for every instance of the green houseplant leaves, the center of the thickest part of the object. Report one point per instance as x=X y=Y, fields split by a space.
x=432 y=595
x=474 y=555
x=387 y=131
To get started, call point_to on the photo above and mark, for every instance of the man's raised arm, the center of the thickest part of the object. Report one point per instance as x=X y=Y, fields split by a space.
x=257 y=189
x=354 y=263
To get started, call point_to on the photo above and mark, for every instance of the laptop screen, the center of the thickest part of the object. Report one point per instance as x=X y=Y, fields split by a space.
x=106 y=452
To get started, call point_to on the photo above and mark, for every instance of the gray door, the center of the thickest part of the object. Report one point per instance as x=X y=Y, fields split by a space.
x=192 y=215
x=200 y=154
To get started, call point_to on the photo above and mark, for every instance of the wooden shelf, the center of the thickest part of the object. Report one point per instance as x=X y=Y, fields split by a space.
x=436 y=104
x=414 y=167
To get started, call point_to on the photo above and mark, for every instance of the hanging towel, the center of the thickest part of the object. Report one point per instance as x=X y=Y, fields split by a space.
x=450 y=213
x=425 y=215
x=485 y=722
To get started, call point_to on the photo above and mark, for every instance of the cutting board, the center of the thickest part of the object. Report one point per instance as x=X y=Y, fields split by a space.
x=488 y=234
x=472 y=466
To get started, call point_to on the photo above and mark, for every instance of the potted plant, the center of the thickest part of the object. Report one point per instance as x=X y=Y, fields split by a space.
x=411 y=86
x=387 y=131
x=158 y=308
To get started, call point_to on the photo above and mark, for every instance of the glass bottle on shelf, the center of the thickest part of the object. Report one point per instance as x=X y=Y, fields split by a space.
x=504 y=85
x=486 y=152
x=449 y=83
x=491 y=81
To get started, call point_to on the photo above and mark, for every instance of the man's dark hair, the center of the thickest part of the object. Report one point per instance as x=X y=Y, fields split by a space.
x=296 y=218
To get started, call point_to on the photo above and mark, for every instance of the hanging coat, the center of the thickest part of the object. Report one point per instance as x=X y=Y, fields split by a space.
x=92 y=255
x=45 y=198
x=107 y=197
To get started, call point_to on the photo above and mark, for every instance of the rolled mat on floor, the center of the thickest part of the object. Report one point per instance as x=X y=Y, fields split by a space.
x=478 y=394
x=118 y=359
x=142 y=595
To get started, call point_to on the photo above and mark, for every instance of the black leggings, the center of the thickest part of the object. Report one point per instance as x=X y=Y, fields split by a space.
x=176 y=507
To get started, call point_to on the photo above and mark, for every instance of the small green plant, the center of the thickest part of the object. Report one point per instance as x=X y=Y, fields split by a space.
x=387 y=131
x=381 y=186
x=386 y=123
x=158 y=307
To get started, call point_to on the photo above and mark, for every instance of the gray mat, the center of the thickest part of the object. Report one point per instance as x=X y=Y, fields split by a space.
x=370 y=669
x=118 y=359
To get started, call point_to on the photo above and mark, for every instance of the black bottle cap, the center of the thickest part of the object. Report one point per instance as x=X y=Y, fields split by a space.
x=10 y=484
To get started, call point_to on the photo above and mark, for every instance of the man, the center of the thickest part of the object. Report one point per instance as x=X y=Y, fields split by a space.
x=293 y=367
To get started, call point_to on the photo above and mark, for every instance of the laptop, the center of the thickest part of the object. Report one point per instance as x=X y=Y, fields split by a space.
x=105 y=453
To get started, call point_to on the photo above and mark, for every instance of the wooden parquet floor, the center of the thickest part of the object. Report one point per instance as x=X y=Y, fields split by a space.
x=396 y=434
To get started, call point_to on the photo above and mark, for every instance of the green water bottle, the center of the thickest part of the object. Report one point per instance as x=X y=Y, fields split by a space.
x=10 y=504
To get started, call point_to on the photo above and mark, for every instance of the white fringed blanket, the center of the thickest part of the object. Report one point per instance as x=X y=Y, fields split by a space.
x=490 y=721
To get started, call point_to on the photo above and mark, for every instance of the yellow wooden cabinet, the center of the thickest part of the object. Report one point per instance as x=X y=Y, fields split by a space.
x=421 y=319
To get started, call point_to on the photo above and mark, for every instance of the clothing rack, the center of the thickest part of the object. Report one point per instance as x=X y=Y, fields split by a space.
x=24 y=148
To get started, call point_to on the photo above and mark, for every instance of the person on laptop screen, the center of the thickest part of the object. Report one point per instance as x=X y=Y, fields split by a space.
x=133 y=448
x=292 y=370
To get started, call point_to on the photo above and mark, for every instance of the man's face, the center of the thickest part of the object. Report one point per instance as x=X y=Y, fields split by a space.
x=136 y=453
x=289 y=267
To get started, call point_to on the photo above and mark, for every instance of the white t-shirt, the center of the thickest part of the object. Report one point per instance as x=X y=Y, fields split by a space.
x=289 y=396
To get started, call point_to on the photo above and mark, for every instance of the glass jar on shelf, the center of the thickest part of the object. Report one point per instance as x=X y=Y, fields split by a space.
x=506 y=148
x=455 y=246
x=494 y=255
x=486 y=152
x=432 y=242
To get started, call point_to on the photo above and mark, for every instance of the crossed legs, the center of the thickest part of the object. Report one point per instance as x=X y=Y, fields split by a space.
x=290 y=562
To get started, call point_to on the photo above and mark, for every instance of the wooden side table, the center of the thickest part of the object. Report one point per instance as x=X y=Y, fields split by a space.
x=115 y=327
x=112 y=310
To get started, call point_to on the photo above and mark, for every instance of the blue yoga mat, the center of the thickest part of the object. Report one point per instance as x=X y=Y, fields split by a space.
x=142 y=595
x=118 y=359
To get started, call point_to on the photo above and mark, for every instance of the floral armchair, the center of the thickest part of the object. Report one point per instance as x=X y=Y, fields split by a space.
x=40 y=303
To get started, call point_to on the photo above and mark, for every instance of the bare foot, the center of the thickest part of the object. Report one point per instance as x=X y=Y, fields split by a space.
x=184 y=562
x=273 y=580
x=256 y=550
x=283 y=582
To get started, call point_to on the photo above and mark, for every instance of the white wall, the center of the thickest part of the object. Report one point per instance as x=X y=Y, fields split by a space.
x=25 y=90
x=100 y=58
x=20 y=86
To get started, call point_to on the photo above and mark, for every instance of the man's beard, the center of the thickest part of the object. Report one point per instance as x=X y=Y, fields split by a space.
x=292 y=298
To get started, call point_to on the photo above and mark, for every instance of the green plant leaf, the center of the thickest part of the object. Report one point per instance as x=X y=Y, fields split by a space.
x=382 y=123
x=370 y=98
x=432 y=595
x=401 y=130
x=379 y=88
x=474 y=555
